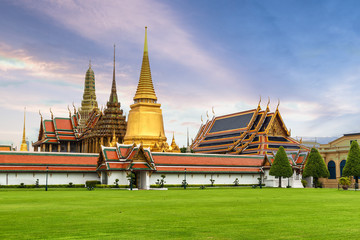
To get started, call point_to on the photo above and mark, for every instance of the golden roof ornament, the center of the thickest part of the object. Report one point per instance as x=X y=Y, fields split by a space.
x=114 y=141
x=23 y=147
x=267 y=106
x=259 y=103
x=69 y=111
x=145 y=89
x=52 y=115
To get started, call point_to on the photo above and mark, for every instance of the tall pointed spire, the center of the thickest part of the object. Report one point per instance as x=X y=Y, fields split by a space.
x=113 y=95
x=23 y=146
x=145 y=89
x=88 y=102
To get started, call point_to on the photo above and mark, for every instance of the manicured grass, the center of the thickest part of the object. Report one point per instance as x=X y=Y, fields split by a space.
x=234 y=213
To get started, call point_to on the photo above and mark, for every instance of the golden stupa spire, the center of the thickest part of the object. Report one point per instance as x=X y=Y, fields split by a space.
x=23 y=146
x=145 y=89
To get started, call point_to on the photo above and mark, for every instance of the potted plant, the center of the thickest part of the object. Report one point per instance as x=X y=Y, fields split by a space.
x=344 y=182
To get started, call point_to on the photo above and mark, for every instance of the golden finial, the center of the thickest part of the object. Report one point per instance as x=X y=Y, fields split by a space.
x=202 y=120
x=52 y=115
x=23 y=146
x=213 y=110
x=40 y=115
x=74 y=107
x=90 y=63
x=277 y=107
x=267 y=106
x=145 y=43
x=301 y=141
x=259 y=102
x=69 y=111
x=207 y=115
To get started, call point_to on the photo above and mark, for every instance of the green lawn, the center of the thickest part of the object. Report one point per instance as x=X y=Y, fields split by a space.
x=233 y=213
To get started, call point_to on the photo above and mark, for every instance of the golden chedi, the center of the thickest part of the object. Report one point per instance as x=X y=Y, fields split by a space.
x=145 y=121
x=23 y=147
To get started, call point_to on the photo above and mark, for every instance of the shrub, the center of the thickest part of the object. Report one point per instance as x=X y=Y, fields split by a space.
x=345 y=181
x=70 y=185
x=236 y=182
x=304 y=183
x=131 y=177
x=184 y=183
x=37 y=183
x=116 y=183
x=91 y=184
x=22 y=185
x=202 y=187
x=212 y=182
x=161 y=182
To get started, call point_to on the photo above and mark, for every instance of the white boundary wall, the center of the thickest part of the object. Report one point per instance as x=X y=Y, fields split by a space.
x=204 y=178
x=294 y=181
x=53 y=178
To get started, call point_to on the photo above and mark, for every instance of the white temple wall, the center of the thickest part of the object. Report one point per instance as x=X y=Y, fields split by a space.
x=113 y=175
x=53 y=178
x=203 y=178
x=294 y=181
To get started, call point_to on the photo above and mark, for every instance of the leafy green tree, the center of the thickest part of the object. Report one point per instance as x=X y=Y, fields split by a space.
x=352 y=165
x=281 y=166
x=315 y=167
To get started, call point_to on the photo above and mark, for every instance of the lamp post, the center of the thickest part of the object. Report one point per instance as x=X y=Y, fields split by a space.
x=47 y=173
x=185 y=179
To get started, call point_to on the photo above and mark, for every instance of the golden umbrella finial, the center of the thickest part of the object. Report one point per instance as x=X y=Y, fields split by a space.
x=259 y=102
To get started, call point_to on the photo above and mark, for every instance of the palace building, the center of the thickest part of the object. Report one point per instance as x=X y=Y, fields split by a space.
x=335 y=154
x=93 y=144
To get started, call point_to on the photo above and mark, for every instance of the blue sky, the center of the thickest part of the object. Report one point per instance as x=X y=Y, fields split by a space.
x=202 y=54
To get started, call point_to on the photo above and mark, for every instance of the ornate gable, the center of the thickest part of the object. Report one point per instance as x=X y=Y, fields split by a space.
x=277 y=126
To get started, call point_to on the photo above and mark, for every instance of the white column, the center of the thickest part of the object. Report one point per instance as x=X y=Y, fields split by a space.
x=145 y=182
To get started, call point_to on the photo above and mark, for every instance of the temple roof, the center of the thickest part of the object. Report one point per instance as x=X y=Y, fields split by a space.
x=38 y=162
x=58 y=129
x=253 y=132
x=145 y=88
x=125 y=157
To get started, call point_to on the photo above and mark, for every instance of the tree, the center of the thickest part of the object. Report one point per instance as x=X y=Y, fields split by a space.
x=281 y=166
x=352 y=165
x=315 y=167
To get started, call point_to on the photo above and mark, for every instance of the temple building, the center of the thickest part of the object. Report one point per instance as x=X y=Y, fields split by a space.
x=145 y=120
x=101 y=127
x=74 y=134
x=253 y=132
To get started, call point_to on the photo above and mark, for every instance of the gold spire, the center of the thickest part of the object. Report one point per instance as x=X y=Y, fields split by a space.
x=145 y=90
x=23 y=146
